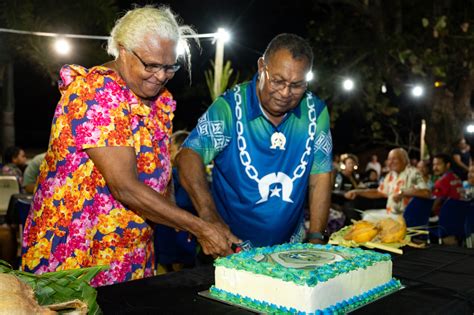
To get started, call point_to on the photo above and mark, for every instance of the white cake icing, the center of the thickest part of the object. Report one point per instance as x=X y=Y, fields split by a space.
x=346 y=278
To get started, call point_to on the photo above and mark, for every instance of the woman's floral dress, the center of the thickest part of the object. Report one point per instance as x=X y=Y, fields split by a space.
x=75 y=221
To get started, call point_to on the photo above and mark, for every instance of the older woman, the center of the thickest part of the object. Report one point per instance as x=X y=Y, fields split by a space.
x=107 y=167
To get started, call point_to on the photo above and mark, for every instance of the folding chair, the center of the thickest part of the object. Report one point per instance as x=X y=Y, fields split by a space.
x=8 y=186
x=453 y=220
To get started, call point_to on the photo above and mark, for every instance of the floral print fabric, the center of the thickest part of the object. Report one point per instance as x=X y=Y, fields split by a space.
x=394 y=183
x=75 y=221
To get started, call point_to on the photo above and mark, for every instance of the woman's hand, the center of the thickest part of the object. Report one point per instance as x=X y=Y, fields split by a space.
x=216 y=239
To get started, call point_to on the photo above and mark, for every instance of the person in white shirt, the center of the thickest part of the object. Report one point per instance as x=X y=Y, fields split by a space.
x=401 y=184
x=374 y=164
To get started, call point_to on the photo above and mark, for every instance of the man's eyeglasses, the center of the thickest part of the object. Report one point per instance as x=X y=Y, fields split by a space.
x=278 y=85
x=155 y=67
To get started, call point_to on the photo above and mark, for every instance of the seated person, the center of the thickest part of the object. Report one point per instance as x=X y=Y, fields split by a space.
x=32 y=172
x=370 y=180
x=401 y=184
x=448 y=184
x=14 y=162
x=425 y=169
x=468 y=185
x=345 y=179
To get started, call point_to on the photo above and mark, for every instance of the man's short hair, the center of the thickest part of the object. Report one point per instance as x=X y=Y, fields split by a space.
x=296 y=45
x=442 y=156
x=10 y=153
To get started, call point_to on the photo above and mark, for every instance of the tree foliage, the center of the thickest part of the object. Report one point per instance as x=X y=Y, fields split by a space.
x=77 y=17
x=396 y=43
x=227 y=72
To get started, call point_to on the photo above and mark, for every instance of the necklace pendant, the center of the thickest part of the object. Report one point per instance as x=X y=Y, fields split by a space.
x=278 y=140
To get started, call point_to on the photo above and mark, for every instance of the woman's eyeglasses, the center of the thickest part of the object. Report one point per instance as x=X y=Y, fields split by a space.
x=156 y=67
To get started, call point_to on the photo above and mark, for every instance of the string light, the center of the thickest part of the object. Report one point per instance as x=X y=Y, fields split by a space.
x=14 y=31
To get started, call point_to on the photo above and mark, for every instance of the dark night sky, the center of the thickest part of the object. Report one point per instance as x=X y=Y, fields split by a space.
x=252 y=25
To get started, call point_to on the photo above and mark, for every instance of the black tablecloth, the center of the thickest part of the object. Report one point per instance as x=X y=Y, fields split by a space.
x=438 y=280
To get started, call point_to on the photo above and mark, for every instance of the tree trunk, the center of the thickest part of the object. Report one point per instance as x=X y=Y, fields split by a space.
x=7 y=106
x=446 y=118
x=440 y=123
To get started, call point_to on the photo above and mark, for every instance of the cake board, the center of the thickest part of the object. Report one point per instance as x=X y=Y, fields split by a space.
x=206 y=294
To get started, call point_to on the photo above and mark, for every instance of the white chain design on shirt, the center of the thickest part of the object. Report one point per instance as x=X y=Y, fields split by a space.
x=244 y=156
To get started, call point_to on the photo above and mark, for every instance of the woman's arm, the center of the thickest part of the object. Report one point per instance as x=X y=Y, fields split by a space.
x=118 y=166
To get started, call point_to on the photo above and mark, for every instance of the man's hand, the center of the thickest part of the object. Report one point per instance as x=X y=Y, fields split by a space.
x=351 y=195
x=398 y=197
x=231 y=238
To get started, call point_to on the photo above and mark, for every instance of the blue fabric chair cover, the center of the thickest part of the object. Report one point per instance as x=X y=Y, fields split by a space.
x=454 y=219
x=417 y=212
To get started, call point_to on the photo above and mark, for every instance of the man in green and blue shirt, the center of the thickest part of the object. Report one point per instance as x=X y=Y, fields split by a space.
x=270 y=141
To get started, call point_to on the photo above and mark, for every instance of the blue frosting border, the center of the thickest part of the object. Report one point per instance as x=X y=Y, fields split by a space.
x=338 y=308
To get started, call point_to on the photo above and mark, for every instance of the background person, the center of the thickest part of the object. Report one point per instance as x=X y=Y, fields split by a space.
x=370 y=179
x=374 y=164
x=107 y=167
x=271 y=146
x=14 y=162
x=31 y=173
x=448 y=184
x=468 y=185
x=424 y=166
x=461 y=158
x=345 y=179
x=401 y=184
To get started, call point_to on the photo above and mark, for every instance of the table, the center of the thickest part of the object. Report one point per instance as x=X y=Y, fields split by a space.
x=438 y=280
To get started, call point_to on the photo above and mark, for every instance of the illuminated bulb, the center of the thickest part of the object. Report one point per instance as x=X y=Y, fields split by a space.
x=417 y=91
x=223 y=34
x=383 y=89
x=348 y=84
x=470 y=128
x=309 y=76
x=62 y=46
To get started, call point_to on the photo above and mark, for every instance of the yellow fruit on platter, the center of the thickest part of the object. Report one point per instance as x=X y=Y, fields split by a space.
x=392 y=231
x=361 y=232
